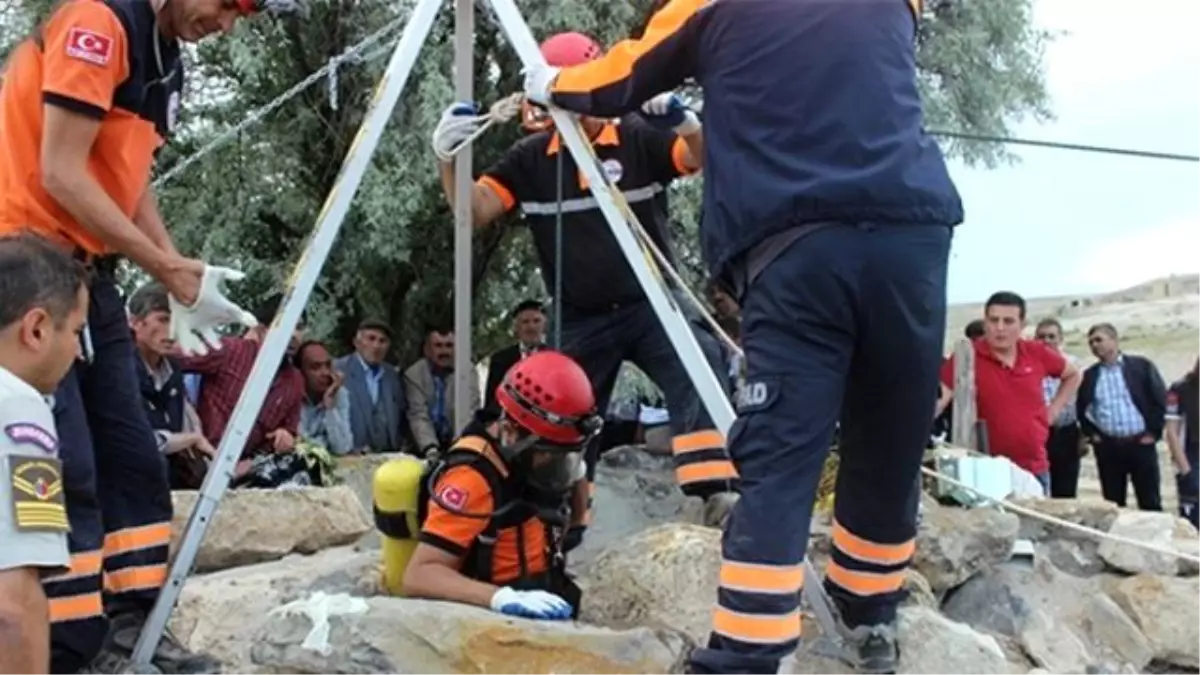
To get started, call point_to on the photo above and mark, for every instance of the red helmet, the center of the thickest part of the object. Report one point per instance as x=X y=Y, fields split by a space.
x=550 y=396
x=561 y=51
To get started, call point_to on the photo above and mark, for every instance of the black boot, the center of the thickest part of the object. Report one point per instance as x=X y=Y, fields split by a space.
x=870 y=649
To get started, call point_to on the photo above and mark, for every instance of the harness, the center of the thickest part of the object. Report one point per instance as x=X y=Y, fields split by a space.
x=511 y=511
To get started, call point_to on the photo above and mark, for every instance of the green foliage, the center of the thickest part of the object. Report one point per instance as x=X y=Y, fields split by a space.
x=253 y=202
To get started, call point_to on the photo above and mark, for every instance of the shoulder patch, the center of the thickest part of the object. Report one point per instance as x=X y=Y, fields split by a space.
x=37 y=494
x=453 y=497
x=88 y=45
x=28 y=432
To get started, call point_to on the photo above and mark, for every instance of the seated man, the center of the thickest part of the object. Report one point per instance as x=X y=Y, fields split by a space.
x=508 y=500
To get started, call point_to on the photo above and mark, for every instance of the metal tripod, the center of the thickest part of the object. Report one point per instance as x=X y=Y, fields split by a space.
x=329 y=221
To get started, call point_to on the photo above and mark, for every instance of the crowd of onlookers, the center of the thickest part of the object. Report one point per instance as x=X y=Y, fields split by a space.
x=1044 y=410
x=319 y=407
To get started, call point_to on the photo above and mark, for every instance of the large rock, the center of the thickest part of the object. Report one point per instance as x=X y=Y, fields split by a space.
x=929 y=643
x=664 y=576
x=1168 y=611
x=1096 y=514
x=357 y=472
x=396 y=635
x=1064 y=623
x=954 y=544
x=252 y=526
x=1155 y=528
x=220 y=612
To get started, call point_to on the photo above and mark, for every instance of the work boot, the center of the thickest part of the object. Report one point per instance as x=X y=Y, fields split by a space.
x=169 y=656
x=717 y=509
x=870 y=649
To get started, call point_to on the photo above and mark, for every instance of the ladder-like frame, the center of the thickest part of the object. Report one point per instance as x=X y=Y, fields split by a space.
x=329 y=222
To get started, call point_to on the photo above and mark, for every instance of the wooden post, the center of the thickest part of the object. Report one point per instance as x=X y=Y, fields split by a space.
x=962 y=429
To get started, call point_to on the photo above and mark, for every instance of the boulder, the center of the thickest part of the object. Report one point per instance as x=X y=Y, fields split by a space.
x=1154 y=528
x=220 y=612
x=252 y=526
x=929 y=643
x=357 y=472
x=954 y=544
x=397 y=635
x=1096 y=514
x=1167 y=609
x=1064 y=623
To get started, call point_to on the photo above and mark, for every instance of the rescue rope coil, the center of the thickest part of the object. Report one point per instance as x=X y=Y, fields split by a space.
x=501 y=111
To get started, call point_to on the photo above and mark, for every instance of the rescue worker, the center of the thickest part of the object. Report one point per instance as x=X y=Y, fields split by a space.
x=829 y=211
x=505 y=495
x=86 y=102
x=1183 y=440
x=605 y=316
x=43 y=307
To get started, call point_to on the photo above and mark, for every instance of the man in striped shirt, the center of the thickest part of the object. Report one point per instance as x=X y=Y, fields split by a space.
x=1063 y=446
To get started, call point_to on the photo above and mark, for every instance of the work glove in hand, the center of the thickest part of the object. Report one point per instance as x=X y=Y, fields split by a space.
x=194 y=328
x=668 y=111
x=538 y=80
x=530 y=604
x=459 y=121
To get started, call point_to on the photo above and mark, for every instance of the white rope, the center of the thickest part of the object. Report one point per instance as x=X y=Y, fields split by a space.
x=501 y=111
x=1038 y=515
x=351 y=54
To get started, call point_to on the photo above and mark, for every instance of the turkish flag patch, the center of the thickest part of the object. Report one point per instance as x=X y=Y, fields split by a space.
x=453 y=496
x=88 y=45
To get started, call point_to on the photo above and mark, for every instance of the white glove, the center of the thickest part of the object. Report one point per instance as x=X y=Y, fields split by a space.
x=459 y=121
x=530 y=604
x=194 y=328
x=538 y=80
x=669 y=111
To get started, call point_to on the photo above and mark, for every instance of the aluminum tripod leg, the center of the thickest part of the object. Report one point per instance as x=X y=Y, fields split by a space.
x=612 y=203
x=299 y=287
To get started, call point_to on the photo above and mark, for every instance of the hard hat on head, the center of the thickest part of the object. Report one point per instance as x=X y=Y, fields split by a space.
x=549 y=395
x=561 y=50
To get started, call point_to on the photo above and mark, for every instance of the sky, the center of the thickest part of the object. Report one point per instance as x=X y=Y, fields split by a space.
x=1061 y=222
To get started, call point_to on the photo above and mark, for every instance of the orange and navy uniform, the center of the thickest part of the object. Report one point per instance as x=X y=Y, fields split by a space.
x=520 y=554
x=775 y=111
x=98 y=59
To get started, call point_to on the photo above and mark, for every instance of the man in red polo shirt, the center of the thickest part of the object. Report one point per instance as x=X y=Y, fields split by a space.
x=1008 y=386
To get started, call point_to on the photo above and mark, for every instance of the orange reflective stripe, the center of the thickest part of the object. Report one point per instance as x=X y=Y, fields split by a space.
x=507 y=200
x=85 y=564
x=864 y=583
x=716 y=469
x=868 y=551
x=759 y=578
x=135 y=578
x=76 y=607
x=757 y=628
x=619 y=62
x=136 y=538
x=707 y=439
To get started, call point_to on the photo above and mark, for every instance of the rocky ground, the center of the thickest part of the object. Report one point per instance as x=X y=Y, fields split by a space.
x=300 y=593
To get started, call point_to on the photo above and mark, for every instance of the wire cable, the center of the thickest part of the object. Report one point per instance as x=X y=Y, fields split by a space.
x=1058 y=145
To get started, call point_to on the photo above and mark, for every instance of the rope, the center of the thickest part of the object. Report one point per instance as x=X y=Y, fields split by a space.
x=351 y=54
x=1037 y=515
x=1103 y=149
x=501 y=111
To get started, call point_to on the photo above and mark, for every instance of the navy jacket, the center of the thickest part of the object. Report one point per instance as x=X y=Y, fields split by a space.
x=1146 y=389
x=811 y=112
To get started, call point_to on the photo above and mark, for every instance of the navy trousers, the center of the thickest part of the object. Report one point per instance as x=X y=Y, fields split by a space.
x=601 y=341
x=117 y=494
x=847 y=324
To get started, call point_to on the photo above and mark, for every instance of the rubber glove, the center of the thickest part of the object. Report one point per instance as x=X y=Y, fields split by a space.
x=538 y=80
x=668 y=111
x=530 y=604
x=194 y=328
x=459 y=120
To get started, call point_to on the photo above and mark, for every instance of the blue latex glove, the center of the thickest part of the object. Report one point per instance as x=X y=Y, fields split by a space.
x=668 y=111
x=530 y=604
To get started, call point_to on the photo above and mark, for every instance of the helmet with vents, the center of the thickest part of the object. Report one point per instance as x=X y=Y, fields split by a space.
x=549 y=395
x=561 y=50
